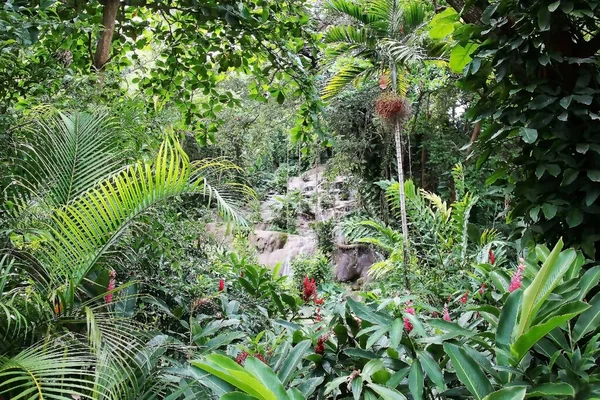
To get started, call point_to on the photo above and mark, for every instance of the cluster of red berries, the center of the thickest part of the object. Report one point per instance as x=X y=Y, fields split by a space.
x=241 y=357
x=389 y=105
x=320 y=347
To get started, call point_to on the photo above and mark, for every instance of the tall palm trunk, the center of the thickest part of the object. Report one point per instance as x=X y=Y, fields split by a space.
x=398 y=126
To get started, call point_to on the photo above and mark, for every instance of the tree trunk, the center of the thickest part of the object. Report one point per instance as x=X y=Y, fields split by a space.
x=109 y=18
x=398 y=138
x=398 y=125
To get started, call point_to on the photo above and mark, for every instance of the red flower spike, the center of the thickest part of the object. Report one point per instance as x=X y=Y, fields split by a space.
x=482 y=289
x=242 y=357
x=517 y=279
x=492 y=257
x=465 y=297
x=319 y=301
x=111 y=286
x=446 y=313
x=407 y=325
x=320 y=347
x=310 y=289
x=221 y=285
x=410 y=309
x=260 y=357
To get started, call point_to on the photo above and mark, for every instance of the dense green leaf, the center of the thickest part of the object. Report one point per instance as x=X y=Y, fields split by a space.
x=416 y=380
x=469 y=373
x=589 y=320
x=432 y=369
x=535 y=333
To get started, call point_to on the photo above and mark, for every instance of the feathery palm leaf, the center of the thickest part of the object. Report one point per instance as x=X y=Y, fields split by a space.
x=57 y=369
x=341 y=79
x=351 y=9
x=66 y=154
x=348 y=34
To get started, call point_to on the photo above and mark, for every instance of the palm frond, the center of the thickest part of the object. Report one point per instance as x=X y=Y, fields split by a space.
x=57 y=369
x=403 y=52
x=349 y=35
x=342 y=78
x=351 y=9
x=66 y=154
x=413 y=15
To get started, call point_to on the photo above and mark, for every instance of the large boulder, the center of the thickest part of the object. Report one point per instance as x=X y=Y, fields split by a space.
x=353 y=262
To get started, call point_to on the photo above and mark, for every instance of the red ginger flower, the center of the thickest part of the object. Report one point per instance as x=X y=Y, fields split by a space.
x=319 y=301
x=260 y=357
x=446 y=313
x=517 y=280
x=492 y=257
x=242 y=357
x=221 y=285
x=465 y=297
x=482 y=289
x=320 y=347
x=410 y=309
x=408 y=326
x=111 y=286
x=310 y=288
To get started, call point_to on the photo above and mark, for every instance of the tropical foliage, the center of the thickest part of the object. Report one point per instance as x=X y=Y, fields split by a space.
x=260 y=199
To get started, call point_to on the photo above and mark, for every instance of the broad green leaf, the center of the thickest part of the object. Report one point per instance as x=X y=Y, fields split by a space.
x=416 y=380
x=509 y=393
x=533 y=335
x=387 y=393
x=460 y=56
x=308 y=386
x=418 y=327
x=363 y=312
x=452 y=328
x=508 y=318
x=589 y=320
x=553 y=6
x=468 y=372
x=357 y=386
x=594 y=175
x=396 y=332
x=228 y=370
x=442 y=24
x=529 y=135
x=551 y=389
x=549 y=210
x=548 y=277
x=543 y=17
x=370 y=368
x=589 y=280
x=292 y=360
x=375 y=336
x=237 y=396
x=574 y=218
x=432 y=369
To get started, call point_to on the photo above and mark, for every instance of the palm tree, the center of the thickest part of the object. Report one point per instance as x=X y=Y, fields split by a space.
x=381 y=40
x=59 y=335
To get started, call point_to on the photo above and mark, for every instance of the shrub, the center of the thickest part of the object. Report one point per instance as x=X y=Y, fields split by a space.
x=324 y=232
x=316 y=267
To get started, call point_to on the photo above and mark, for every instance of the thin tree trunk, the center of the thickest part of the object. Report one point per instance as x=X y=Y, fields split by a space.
x=398 y=126
x=109 y=18
x=398 y=138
